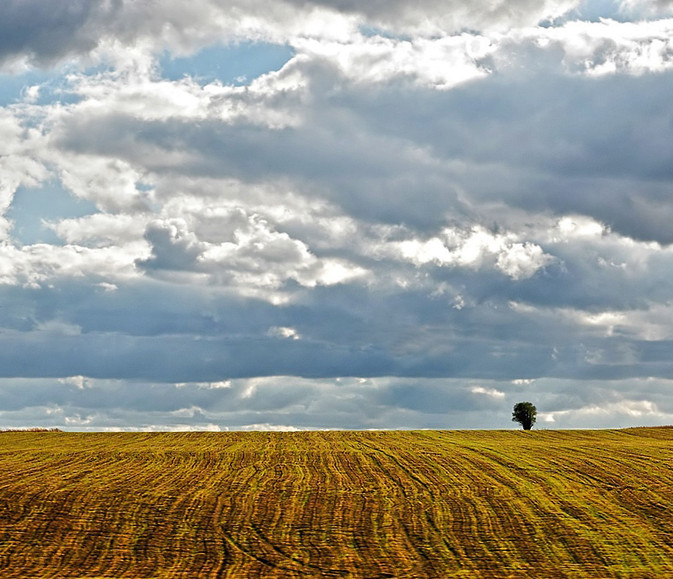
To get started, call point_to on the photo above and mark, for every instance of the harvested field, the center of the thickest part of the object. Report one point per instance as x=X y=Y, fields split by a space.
x=439 y=504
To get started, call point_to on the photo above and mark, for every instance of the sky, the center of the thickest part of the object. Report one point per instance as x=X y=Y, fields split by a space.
x=299 y=214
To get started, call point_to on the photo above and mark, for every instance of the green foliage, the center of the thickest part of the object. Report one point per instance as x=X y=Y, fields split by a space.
x=525 y=414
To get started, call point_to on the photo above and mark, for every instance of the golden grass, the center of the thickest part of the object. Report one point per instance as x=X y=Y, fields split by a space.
x=439 y=504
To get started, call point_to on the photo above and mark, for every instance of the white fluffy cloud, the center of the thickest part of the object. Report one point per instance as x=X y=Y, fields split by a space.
x=33 y=32
x=609 y=47
x=19 y=162
x=476 y=248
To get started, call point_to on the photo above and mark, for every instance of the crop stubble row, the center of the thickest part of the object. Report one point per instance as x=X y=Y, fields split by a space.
x=337 y=504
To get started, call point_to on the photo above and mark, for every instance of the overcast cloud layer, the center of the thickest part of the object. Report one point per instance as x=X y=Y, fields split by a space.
x=333 y=214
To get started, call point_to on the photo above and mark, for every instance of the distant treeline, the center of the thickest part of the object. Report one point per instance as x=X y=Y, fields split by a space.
x=35 y=429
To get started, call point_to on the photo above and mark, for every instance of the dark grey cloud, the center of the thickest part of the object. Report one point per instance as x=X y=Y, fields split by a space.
x=549 y=143
x=172 y=249
x=374 y=178
x=80 y=404
x=449 y=15
x=189 y=335
x=47 y=31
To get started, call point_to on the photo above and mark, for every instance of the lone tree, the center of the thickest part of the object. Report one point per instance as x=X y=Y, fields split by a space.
x=524 y=413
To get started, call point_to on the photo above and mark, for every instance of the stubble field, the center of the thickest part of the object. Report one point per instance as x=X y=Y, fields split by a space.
x=438 y=504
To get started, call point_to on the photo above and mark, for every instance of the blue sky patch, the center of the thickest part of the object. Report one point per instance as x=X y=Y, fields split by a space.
x=32 y=206
x=236 y=64
x=53 y=87
x=594 y=10
x=370 y=31
x=13 y=87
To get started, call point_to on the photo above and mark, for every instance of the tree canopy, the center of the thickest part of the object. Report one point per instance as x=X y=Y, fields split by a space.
x=525 y=414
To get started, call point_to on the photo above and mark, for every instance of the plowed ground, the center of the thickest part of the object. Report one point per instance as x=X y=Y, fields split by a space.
x=491 y=504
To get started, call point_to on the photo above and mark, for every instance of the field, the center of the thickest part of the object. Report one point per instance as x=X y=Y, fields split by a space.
x=439 y=504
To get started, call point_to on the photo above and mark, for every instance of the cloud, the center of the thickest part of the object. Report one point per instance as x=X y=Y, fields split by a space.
x=100 y=229
x=646 y=9
x=609 y=47
x=476 y=248
x=492 y=392
x=18 y=163
x=252 y=257
x=34 y=33
x=451 y=15
x=33 y=29
x=288 y=403
x=36 y=264
x=283 y=332
x=174 y=247
x=438 y=63
x=265 y=131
